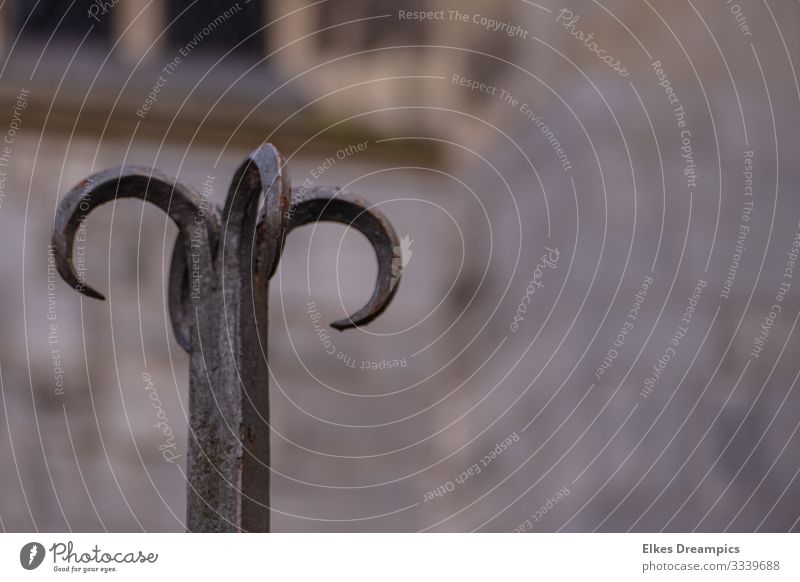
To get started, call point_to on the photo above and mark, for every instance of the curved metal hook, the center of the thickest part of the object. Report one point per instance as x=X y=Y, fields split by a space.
x=178 y=201
x=178 y=295
x=228 y=400
x=262 y=175
x=330 y=204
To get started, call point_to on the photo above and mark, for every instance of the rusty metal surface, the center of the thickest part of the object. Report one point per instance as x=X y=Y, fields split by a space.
x=218 y=302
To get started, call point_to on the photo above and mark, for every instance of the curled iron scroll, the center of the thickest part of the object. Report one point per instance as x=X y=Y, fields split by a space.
x=260 y=210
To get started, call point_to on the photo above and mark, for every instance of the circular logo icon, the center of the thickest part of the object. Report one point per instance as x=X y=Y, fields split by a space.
x=31 y=555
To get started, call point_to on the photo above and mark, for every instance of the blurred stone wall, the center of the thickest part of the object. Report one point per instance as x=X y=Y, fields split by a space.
x=596 y=245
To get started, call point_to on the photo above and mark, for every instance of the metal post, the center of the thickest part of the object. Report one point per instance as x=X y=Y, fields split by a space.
x=218 y=293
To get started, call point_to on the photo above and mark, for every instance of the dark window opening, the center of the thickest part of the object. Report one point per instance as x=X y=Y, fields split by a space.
x=216 y=26
x=69 y=21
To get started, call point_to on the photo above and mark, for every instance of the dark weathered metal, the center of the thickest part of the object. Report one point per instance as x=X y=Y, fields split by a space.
x=218 y=293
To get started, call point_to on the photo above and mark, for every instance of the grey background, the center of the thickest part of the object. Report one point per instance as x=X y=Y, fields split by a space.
x=480 y=192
